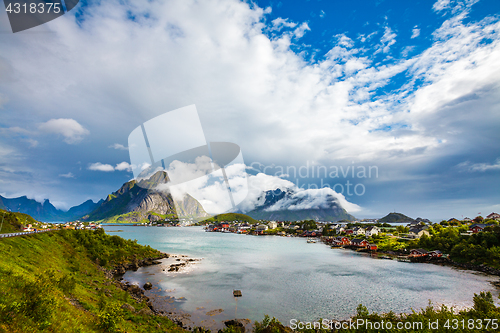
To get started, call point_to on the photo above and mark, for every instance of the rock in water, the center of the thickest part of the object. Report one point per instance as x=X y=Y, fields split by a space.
x=147 y=286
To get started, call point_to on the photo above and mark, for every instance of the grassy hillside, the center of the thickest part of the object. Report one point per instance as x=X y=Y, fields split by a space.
x=230 y=217
x=13 y=222
x=50 y=282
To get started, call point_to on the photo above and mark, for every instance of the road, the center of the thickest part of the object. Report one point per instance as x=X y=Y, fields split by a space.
x=14 y=234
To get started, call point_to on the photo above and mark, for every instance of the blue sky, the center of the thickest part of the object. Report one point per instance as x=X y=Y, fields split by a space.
x=411 y=88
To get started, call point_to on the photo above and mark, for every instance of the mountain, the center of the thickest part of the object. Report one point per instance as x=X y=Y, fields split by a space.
x=296 y=206
x=82 y=209
x=45 y=211
x=396 y=218
x=139 y=200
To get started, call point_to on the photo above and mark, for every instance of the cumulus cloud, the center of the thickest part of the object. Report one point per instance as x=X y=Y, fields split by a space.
x=70 y=129
x=123 y=166
x=98 y=166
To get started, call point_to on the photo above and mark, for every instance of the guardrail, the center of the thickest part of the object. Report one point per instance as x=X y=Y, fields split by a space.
x=14 y=234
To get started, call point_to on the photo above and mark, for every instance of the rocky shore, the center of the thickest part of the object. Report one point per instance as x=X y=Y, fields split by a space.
x=138 y=293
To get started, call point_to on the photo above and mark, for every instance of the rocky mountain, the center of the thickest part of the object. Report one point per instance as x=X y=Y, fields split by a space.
x=289 y=205
x=396 y=218
x=45 y=211
x=136 y=201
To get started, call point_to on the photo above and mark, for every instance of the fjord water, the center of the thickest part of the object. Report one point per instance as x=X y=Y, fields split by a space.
x=288 y=278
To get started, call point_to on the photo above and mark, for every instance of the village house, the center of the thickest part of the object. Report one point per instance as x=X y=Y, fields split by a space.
x=339 y=230
x=417 y=232
x=261 y=228
x=479 y=227
x=418 y=253
x=435 y=254
x=372 y=247
x=358 y=231
x=272 y=225
x=493 y=216
x=340 y=241
x=373 y=230
x=359 y=242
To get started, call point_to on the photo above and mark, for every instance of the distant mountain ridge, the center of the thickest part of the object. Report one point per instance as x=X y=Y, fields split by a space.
x=45 y=211
x=285 y=206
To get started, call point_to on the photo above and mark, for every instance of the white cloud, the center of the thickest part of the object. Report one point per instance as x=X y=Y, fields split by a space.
x=123 y=166
x=70 y=129
x=300 y=31
x=281 y=23
x=98 y=166
x=67 y=175
x=101 y=167
x=453 y=5
x=322 y=13
x=118 y=146
x=479 y=167
x=415 y=32
x=388 y=39
x=441 y=5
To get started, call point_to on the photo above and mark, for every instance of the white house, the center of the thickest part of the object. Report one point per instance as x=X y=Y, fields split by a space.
x=272 y=225
x=358 y=231
x=261 y=227
x=373 y=230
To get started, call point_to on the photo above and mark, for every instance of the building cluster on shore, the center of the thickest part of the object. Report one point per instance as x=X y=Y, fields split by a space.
x=78 y=225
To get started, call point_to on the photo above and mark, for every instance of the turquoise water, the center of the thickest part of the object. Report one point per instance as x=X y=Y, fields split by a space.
x=290 y=279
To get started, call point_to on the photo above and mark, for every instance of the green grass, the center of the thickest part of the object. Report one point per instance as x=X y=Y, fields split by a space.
x=13 y=222
x=230 y=217
x=50 y=282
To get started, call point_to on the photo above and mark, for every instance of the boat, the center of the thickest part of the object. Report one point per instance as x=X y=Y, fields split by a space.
x=310 y=240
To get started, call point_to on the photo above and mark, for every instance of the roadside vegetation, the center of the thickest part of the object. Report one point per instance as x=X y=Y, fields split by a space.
x=50 y=282
x=484 y=316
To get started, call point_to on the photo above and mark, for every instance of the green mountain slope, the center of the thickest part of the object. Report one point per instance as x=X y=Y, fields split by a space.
x=50 y=282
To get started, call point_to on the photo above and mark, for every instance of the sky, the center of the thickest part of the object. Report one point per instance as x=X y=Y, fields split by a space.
x=406 y=94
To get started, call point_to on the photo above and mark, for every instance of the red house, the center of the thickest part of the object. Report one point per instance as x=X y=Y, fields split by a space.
x=349 y=231
x=359 y=242
x=340 y=241
x=478 y=227
x=372 y=247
